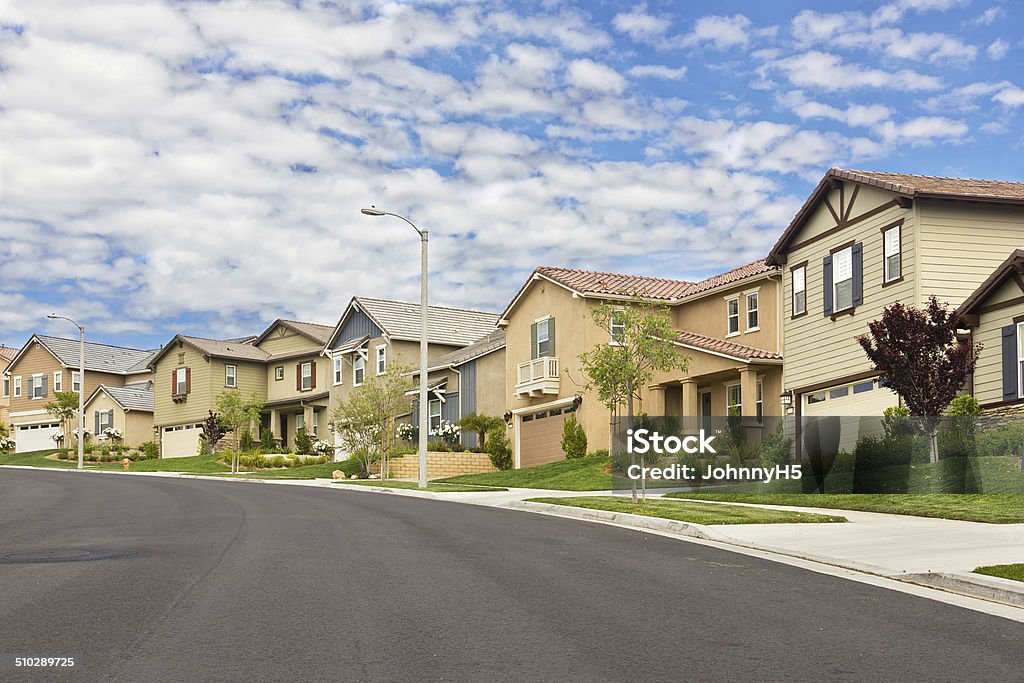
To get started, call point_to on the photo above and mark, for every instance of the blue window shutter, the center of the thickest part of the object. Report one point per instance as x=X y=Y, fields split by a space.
x=858 y=273
x=1010 y=379
x=826 y=283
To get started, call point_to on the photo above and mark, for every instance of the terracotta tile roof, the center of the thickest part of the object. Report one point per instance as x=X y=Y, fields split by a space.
x=593 y=282
x=729 y=348
x=734 y=275
x=7 y=354
x=910 y=184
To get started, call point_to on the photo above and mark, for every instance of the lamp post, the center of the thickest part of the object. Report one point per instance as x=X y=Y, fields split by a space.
x=81 y=386
x=424 y=419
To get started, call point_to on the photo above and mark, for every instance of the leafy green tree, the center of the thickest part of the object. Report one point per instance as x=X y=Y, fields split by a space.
x=498 y=448
x=234 y=413
x=482 y=425
x=65 y=409
x=366 y=423
x=619 y=369
x=303 y=444
x=574 y=438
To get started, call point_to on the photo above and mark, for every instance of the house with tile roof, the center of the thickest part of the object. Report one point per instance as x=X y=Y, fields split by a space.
x=726 y=326
x=46 y=365
x=864 y=240
x=128 y=409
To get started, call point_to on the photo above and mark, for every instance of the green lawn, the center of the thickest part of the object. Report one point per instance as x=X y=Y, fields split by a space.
x=698 y=513
x=1006 y=571
x=36 y=459
x=972 y=507
x=439 y=487
x=584 y=474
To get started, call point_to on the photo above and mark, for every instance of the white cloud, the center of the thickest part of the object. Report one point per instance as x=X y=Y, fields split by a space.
x=998 y=49
x=923 y=130
x=658 y=71
x=858 y=115
x=829 y=73
x=587 y=74
x=1010 y=97
x=641 y=26
x=722 y=33
x=988 y=17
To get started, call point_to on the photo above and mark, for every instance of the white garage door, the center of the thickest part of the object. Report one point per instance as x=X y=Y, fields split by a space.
x=180 y=442
x=35 y=437
x=859 y=399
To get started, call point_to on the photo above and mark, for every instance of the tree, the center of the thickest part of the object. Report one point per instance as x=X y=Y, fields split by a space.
x=574 y=438
x=212 y=432
x=918 y=354
x=65 y=409
x=367 y=422
x=498 y=448
x=481 y=424
x=642 y=345
x=235 y=413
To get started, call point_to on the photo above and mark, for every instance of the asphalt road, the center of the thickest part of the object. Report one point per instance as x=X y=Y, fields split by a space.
x=228 y=581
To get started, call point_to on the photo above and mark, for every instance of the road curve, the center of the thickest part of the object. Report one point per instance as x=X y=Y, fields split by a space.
x=202 y=580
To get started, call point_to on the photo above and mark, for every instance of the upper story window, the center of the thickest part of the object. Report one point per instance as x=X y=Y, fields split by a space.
x=279 y=373
x=732 y=307
x=382 y=359
x=181 y=381
x=76 y=381
x=305 y=376
x=617 y=323
x=338 y=375
x=230 y=376
x=7 y=387
x=358 y=370
x=37 y=386
x=58 y=380
x=17 y=387
x=842 y=279
x=543 y=338
x=752 y=319
x=893 y=268
x=799 y=290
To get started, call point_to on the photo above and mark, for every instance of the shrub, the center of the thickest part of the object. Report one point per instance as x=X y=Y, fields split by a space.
x=437 y=445
x=964 y=406
x=247 y=444
x=6 y=443
x=599 y=453
x=407 y=432
x=213 y=431
x=1003 y=440
x=574 y=438
x=498 y=448
x=449 y=433
x=278 y=461
x=481 y=425
x=776 y=447
x=150 y=449
x=267 y=443
x=303 y=444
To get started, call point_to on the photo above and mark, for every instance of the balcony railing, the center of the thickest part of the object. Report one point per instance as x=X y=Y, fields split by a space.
x=538 y=377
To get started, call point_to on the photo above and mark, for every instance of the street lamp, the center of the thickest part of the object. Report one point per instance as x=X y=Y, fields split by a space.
x=81 y=386
x=424 y=420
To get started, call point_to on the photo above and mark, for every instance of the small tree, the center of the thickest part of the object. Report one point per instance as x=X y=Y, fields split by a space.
x=366 y=423
x=918 y=354
x=574 y=438
x=212 y=432
x=642 y=345
x=481 y=424
x=65 y=409
x=235 y=413
x=303 y=444
x=498 y=448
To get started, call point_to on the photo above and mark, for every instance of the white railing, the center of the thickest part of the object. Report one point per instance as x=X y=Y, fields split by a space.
x=539 y=375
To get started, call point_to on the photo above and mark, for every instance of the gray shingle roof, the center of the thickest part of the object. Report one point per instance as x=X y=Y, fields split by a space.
x=138 y=396
x=481 y=347
x=98 y=357
x=454 y=326
x=227 y=349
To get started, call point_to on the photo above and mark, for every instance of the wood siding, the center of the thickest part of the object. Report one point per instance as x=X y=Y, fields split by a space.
x=283 y=340
x=199 y=401
x=988 y=374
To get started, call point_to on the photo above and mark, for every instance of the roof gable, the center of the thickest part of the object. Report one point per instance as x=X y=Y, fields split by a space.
x=318 y=334
x=232 y=349
x=138 y=396
x=1011 y=268
x=400 y=320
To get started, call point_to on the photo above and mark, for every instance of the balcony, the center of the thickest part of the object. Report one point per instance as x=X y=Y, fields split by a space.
x=538 y=377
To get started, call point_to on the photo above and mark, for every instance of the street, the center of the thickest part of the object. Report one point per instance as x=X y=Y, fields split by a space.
x=205 y=580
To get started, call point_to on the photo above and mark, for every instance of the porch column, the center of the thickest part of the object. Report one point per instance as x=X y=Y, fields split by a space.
x=690 y=406
x=275 y=425
x=748 y=397
x=656 y=405
x=307 y=418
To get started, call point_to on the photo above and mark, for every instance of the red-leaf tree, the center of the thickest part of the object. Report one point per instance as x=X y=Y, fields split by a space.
x=918 y=353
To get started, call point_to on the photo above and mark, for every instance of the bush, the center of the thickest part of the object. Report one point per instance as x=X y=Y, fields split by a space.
x=150 y=449
x=267 y=443
x=303 y=444
x=1004 y=440
x=599 y=453
x=498 y=448
x=776 y=448
x=574 y=438
x=247 y=444
x=437 y=446
x=278 y=461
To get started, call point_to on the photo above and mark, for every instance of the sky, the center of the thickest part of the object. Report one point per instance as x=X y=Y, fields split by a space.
x=198 y=167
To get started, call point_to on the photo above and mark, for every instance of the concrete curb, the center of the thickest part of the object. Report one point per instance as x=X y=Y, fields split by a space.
x=622 y=519
x=991 y=588
x=412 y=493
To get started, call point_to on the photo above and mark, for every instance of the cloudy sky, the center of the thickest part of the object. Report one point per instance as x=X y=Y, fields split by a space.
x=198 y=166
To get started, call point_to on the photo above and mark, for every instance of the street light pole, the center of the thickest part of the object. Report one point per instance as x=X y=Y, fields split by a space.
x=424 y=416
x=81 y=386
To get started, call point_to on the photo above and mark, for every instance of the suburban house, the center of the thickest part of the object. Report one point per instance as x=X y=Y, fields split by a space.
x=7 y=354
x=374 y=334
x=469 y=380
x=864 y=240
x=726 y=325
x=128 y=409
x=995 y=315
x=46 y=365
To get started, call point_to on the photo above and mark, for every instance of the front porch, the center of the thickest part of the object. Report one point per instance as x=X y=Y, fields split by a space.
x=285 y=417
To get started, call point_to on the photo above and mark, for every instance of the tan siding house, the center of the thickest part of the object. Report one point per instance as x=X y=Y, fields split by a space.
x=128 y=409
x=6 y=354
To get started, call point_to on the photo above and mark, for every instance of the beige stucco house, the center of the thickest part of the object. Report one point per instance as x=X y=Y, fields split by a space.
x=726 y=325
x=128 y=409
x=46 y=365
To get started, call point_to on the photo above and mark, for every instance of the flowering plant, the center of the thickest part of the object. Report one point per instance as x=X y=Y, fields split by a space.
x=406 y=431
x=112 y=433
x=58 y=437
x=6 y=443
x=321 y=448
x=448 y=432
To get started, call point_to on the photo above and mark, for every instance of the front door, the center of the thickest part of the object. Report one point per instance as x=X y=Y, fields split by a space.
x=284 y=431
x=705 y=410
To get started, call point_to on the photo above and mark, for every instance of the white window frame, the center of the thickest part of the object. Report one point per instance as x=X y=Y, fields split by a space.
x=430 y=415
x=381 y=358
x=358 y=370
x=180 y=381
x=803 y=290
x=1020 y=360
x=755 y=310
x=32 y=386
x=617 y=327
x=316 y=423
x=102 y=423
x=339 y=371
x=58 y=380
x=887 y=275
x=300 y=422
x=546 y=322
x=759 y=402
x=848 y=252
x=17 y=386
x=231 y=376
x=6 y=387
x=731 y=317
x=278 y=373
x=76 y=381
x=728 y=396
x=306 y=376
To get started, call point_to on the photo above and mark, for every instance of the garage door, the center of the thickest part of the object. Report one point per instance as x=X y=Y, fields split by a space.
x=540 y=437
x=35 y=437
x=861 y=398
x=180 y=442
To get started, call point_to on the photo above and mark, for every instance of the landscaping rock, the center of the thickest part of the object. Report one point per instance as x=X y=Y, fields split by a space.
x=337 y=474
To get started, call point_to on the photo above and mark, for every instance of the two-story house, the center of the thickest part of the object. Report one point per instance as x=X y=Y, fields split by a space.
x=7 y=353
x=726 y=326
x=46 y=365
x=864 y=240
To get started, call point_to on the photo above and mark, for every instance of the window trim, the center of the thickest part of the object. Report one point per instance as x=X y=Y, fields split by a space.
x=1020 y=360
x=728 y=316
x=547 y=336
x=378 y=358
x=6 y=392
x=431 y=416
x=100 y=420
x=303 y=368
x=358 y=365
x=792 y=291
x=180 y=381
x=886 y=281
x=835 y=300
x=32 y=386
x=76 y=379
x=339 y=371
x=231 y=372
x=612 y=324
x=279 y=373
x=757 y=310
x=759 y=400
x=16 y=386
x=58 y=380
x=728 y=389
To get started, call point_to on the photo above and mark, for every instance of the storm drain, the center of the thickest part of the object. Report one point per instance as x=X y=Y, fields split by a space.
x=62 y=555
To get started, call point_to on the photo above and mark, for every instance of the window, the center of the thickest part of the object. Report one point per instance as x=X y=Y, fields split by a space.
x=733 y=398
x=358 y=370
x=816 y=398
x=752 y=312
x=230 y=376
x=181 y=381
x=7 y=387
x=76 y=381
x=893 y=256
x=864 y=387
x=760 y=401
x=382 y=359
x=306 y=375
x=58 y=380
x=842 y=280
x=316 y=422
x=434 y=414
x=337 y=370
x=543 y=332
x=799 y=290
x=17 y=387
x=104 y=420
x=618 y=327
x=300 y=421
x=37 y=387
x=279 y=373
x=841 y=392
x=1020 y=360
x=733 y=316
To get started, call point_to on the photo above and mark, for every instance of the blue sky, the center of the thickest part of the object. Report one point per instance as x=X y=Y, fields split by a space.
x=198 y=167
